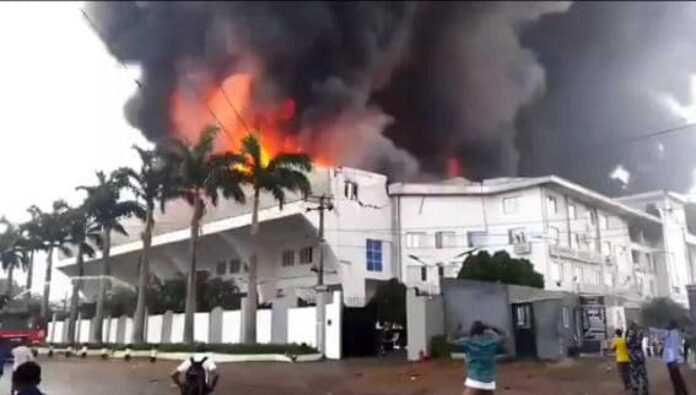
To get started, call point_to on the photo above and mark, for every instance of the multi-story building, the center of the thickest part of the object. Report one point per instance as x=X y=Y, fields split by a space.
x=578 y=239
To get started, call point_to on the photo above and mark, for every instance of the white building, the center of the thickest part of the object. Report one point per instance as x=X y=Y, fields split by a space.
x=678 y=244
x=580 y=240
x=357 y=254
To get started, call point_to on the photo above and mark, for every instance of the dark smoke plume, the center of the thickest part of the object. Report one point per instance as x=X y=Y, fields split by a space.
x=613 y=71
x=395 y=87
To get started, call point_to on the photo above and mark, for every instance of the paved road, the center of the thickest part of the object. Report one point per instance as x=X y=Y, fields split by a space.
x=352 y=377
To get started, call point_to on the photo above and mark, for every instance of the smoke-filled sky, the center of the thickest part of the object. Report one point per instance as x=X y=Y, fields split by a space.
x=504 y=88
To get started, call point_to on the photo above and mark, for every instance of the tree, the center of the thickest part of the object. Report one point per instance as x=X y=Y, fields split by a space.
x=53 y=233
x=284 y=172
x=13 y=252
x=106 y=208
x=390 y=301
x=500 y=268
x=217 y=292
x=150 y=185
x=34 y=242
x=659 y=311
x=82 y=232
x=199 y=175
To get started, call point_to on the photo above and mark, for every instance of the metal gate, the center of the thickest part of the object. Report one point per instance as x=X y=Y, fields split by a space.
x=523 y=326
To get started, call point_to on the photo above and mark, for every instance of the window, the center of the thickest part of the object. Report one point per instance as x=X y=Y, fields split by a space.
x=553 y=235
x=440 y=270
x=374 y=255
x=604 y=221
x=566 y=317
x=424 y=273
x=607 y=247
x=445 y=239
x=577 y=239
x=596 y=277
x=235 y=266
x=306 y=255
x=415 y=240
x=578 y=275
x=288 y=258
x=572 y=211
x=648 y=260
x=556 y=272
x=523 y=316
x=221 y=268
x=592 y=217
x=635 y=257
x=477 y=239
x=551 y=204
x=517 y=236
x=511 y=205
x=350 y=190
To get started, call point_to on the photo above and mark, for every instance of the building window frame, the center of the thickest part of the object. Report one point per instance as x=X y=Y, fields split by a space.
x=287 y=258
x=235 y=266
x=445 y=239
x=374 y=255
x=511 y=205
x=221 y=268
x=350 y=190
x=552 y=203
x=306 y=255
x=415 y=239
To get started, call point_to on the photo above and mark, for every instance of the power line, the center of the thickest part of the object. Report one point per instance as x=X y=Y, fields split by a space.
x=198 y=94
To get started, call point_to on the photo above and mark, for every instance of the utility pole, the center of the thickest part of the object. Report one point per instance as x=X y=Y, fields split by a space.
x=324 y=204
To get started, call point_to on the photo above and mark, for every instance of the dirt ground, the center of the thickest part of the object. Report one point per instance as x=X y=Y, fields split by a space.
x=591 y=376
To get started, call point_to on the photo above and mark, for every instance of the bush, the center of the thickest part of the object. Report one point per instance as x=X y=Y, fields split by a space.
x=296 y=349
x=440 y=347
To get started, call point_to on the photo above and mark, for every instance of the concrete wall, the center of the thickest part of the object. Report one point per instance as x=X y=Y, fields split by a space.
x=424 y=319
x=467 y=301
x=221 y=326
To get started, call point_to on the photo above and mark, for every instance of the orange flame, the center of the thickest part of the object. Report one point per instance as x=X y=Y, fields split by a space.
x=230 y=107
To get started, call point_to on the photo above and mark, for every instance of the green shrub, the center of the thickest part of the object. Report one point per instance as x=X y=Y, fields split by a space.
x=440 y=347
x=296 y=349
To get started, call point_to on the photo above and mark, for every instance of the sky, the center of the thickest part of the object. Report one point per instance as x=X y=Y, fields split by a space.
x=61 y=100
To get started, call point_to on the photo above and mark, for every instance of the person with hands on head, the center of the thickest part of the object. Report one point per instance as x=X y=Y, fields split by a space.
x=481 y=346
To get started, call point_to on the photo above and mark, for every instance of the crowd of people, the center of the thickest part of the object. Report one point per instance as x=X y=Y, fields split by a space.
x=630 y=350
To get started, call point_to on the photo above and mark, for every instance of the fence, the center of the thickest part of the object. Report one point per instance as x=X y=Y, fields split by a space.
x=283 y=323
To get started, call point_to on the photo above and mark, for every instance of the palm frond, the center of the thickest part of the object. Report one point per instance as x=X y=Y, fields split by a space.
x=297 y=161
x=252 y=148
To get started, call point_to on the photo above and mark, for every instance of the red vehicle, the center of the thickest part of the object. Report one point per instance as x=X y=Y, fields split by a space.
x=18 y=325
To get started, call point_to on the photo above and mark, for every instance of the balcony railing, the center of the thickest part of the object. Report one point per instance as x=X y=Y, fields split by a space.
x=522 y=248
x=576 y=255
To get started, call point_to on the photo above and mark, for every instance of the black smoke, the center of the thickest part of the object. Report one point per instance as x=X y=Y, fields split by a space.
x=397 y=87
x=610 y=69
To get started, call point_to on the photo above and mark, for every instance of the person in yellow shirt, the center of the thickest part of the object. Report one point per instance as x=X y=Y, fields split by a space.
x=618 y=345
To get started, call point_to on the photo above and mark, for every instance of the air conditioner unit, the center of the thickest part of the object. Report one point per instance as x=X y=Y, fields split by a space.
x=522 y=248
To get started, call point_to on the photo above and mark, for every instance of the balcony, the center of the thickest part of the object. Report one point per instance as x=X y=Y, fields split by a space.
x=576 y=255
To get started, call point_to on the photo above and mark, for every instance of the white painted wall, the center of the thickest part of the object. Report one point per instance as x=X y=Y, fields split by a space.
x=128 y=333
x=177 y=328
x=84 y=331
x=201 y=323
x=299 y=330
x=154 y=329
x=334 y=320
x=230 y=326
x=263 y=326
x=112 y=331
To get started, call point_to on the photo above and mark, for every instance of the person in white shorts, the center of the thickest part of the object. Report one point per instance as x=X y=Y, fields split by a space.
x=200 y=374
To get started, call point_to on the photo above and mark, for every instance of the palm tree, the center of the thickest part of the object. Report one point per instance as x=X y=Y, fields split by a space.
x=284 y=172
x=105 y=206
x=150 y=185
x=82 y=232
x=34 y=243
x=53 y=233
x=13 y=252
x=200 y=175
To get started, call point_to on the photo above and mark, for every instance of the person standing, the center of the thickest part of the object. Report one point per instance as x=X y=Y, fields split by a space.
x=671 y=356
x=620 y=349
x=481 y=347
x=636 y=358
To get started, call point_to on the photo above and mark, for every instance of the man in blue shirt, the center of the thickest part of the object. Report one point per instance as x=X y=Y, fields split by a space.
x=671 y=356
x=480 y=347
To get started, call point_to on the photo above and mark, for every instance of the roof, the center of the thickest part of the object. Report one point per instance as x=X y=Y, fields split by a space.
x=651 y=195
x=501 y=185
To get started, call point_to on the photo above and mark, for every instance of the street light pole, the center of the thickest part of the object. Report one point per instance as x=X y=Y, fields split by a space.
x=324 y=204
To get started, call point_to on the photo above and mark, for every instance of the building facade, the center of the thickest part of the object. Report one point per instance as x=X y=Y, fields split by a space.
x=628 y=249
